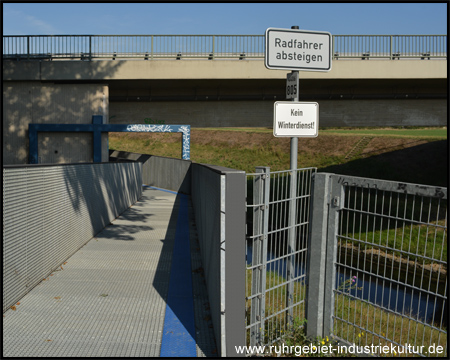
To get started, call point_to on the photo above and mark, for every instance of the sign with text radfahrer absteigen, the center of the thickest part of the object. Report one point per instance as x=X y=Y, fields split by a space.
x=291 y=49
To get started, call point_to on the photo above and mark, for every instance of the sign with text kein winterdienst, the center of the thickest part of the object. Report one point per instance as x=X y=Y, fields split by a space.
x=290 y=49
x=295 y=119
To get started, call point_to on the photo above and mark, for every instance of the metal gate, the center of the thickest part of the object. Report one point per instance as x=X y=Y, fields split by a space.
x=278 y=215
x=390 y=266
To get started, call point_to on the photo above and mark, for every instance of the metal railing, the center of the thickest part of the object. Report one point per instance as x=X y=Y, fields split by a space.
x=148 y=47
x=385 y=258
x=275 y=272
x=368 y=266
x=50 y=211
x=389 y=46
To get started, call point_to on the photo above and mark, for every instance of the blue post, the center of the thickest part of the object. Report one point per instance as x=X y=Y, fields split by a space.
x=97 y=138
x=33 y=144
x=97 y=146
x=97 y=119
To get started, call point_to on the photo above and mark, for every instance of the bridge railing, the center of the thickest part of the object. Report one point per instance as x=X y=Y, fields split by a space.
x=147 y=47
x=390 y=46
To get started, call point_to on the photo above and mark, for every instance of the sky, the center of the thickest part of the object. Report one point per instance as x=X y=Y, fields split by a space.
x=223 y=18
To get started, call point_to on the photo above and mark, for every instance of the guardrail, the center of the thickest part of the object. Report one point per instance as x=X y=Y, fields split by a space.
x=52 y=210
x=149 y=47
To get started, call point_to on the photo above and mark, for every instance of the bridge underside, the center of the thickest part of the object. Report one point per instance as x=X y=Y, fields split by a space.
x=202 y=93
x=205 y=93
x=234 y=103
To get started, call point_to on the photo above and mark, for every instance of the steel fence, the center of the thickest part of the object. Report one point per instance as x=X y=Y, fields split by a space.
x=389 y=46
x=49 y=212
x=368 y=266
x=386 y=256
x=275 y=272
x=148 y=47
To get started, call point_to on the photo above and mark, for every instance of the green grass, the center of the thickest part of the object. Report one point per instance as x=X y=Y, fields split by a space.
x=275 y=302
x=233 y=157
x=428 y=241
x=376 y=219
x=239 y=129
x=162 y=146
x=364 y=324
x=424 y=133
x=357 y=322
x=385 y=162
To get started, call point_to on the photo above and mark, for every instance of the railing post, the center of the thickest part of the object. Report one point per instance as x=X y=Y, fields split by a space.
x=317 y=255
x=213 y=47
x=90 y=47
x=151 y=56
x=336 y=203
x=261 y=188
x=28 y=48
x=328 y=199
x=390 y=48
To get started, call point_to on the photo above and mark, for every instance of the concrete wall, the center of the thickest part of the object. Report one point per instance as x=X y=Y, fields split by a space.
x=163 y=172
x=26 y=102
x=49 y=212
x=215 y=69
x=370 y=112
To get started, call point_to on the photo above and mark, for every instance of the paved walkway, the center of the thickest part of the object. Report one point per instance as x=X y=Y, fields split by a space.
x=110 y=298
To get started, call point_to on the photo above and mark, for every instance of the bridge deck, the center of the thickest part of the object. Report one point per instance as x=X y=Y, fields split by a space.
x=110 y=298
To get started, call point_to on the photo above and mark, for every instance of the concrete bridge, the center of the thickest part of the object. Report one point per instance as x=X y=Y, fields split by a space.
x=88 y=251
x=397 y=84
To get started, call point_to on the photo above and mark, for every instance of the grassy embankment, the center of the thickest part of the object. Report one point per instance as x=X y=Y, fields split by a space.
x=408 y=155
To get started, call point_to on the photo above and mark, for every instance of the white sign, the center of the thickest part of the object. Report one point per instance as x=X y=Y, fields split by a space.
x=290 y=49
x=292 y=85
x=296 y=119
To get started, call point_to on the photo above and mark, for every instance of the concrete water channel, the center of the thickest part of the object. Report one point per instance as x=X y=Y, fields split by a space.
x=122 y=294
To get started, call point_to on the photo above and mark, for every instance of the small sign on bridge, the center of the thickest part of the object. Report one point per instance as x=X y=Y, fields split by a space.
x=292 y=85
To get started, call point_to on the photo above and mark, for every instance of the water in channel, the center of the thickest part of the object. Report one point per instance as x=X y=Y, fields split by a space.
x=389 y=294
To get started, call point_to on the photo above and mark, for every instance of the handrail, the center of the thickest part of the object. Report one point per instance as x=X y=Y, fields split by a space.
x=149 y=47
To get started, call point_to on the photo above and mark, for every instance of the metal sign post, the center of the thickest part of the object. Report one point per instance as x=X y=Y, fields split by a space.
x=292 y=229
x=306 y=51
x=292 y=215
